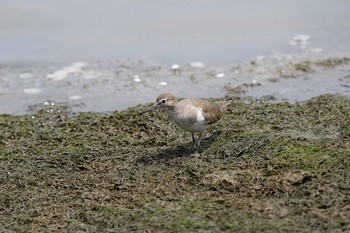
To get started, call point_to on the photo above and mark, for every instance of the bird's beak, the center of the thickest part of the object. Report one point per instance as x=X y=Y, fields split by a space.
x=150 y=108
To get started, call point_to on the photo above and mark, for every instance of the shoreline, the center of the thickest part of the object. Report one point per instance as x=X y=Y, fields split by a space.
x=103 y=86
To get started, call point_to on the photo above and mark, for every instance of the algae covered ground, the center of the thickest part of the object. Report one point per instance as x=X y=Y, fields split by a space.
x=266 y=167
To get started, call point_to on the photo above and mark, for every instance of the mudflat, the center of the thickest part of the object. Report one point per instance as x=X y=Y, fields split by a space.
x=266 y=166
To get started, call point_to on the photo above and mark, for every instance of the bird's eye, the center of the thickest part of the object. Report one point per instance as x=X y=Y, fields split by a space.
x=163 y=101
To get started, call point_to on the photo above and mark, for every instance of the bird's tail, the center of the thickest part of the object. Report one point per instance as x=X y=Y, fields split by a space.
x=223 y=105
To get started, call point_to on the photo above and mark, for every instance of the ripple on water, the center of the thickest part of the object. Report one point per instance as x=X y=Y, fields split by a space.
x=75 y=97
x=63 y=73
x=32 y=90
x=300 y=41
x=197 y=64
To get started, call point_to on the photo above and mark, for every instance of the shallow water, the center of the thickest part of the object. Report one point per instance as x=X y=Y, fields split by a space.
x=107 y=55
x=107 y=86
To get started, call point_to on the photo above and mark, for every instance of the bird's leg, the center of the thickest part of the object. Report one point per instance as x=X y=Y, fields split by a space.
x=193 y=139
x=198 y=143
x=199 y=139
x=193 y=145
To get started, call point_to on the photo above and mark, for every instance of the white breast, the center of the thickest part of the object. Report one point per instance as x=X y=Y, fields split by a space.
x=200 y=116
x=200 y=124
x=189 y=121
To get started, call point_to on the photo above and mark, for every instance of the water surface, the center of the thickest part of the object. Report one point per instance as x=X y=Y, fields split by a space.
x=106 y=55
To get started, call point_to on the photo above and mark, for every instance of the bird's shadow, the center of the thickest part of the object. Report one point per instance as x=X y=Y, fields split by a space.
x=180 y=151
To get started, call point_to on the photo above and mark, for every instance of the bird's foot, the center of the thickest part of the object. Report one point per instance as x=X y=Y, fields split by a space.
x=194 y=148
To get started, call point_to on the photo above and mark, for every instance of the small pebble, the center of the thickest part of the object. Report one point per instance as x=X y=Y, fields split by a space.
x=162 y=83
x=137 y=78
x=220 y=75
x=255 y=83
x=46 y=103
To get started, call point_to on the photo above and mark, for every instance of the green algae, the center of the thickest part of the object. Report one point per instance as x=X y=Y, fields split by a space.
x=267 y=167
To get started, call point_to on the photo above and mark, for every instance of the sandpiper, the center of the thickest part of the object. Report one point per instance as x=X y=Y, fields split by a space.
x=193 y=115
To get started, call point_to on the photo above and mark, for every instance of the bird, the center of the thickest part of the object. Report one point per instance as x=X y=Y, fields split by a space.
x=193 y=115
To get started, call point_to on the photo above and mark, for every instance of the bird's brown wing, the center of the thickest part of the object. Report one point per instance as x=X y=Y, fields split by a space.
x=211 y=111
